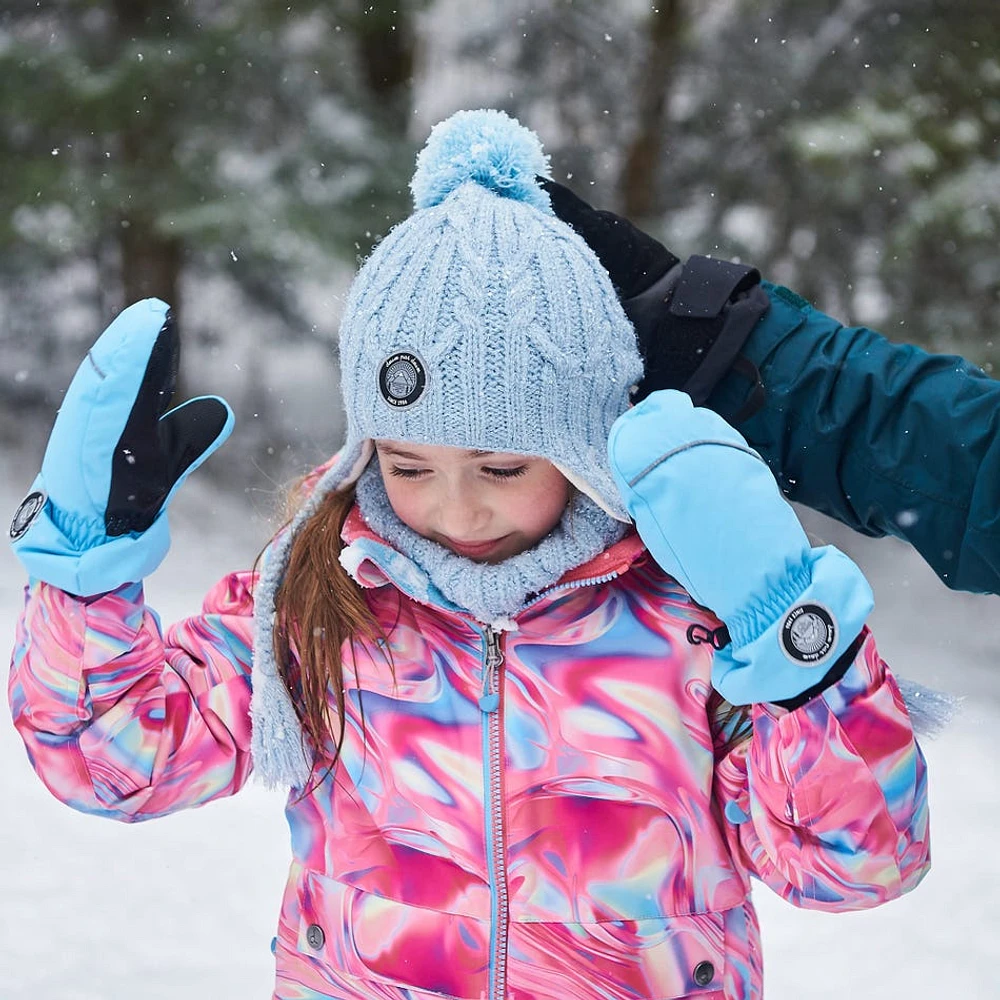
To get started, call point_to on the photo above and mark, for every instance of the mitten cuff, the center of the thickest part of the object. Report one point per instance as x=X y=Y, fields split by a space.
x=779 y=660
x=78 y=557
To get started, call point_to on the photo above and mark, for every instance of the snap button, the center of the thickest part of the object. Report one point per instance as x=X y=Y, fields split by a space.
x=704 y=973
x=316 y=937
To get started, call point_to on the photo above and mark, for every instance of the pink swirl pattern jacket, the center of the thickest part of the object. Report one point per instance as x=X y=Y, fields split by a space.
x=540 y=813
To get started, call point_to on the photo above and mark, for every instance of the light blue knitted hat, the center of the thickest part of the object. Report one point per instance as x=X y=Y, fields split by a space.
x=481 y=321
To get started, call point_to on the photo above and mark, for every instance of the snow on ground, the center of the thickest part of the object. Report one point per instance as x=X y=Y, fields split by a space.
x=186 y=906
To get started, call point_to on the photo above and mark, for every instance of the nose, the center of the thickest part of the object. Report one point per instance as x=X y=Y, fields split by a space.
x=462 y=513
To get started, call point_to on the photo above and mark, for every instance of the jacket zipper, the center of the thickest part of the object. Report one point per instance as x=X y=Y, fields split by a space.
x=489 y=703
x=574 y=585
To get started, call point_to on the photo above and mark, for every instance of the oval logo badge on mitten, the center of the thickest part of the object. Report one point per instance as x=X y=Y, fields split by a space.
x=28 y=509
x=808 y=634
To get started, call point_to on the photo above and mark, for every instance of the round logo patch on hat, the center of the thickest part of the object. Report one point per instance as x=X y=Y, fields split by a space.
x=29 y=508
x=808 y=634
x=402 y=379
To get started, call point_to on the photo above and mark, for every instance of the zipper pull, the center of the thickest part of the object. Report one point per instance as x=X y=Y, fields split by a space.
x=489 y=700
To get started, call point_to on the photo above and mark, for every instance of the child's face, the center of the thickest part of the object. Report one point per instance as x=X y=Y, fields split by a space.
x=486 y=506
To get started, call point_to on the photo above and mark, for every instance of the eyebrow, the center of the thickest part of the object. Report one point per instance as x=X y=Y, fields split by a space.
x=400 y=453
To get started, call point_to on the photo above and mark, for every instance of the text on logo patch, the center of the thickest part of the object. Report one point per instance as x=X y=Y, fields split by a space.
x=402 y=379
x=808 y=634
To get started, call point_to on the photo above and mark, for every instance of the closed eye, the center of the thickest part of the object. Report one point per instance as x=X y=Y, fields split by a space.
x=404 y=473
x=519 y=470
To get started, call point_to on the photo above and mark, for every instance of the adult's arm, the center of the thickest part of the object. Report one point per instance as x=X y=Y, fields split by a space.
x=884 y=437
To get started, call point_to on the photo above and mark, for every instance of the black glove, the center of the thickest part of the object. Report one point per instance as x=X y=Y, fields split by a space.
x=633 y=259
x=690 y=320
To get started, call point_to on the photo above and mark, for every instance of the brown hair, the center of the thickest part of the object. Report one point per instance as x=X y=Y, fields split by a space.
x=319 y=613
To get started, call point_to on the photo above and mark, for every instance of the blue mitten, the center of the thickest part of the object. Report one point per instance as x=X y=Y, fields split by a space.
x=711 y=514
x=95 y=517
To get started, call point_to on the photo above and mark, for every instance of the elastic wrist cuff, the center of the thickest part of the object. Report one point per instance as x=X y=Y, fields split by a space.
x=802 y=646
x=48 y=555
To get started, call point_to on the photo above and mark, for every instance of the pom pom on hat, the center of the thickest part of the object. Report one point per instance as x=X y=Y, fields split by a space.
x=487 y=147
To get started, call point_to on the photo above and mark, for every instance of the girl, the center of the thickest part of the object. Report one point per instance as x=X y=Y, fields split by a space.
x=505 y=715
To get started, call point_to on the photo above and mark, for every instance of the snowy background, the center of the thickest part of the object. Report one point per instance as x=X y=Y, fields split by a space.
x=241 y=154
x=186 y=906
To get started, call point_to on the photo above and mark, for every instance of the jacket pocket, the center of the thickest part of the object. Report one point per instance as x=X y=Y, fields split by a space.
x=352 y=943
x=662 y=958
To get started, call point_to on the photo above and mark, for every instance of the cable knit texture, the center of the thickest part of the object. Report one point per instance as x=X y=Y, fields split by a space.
x=490 y=592
x=523 y=343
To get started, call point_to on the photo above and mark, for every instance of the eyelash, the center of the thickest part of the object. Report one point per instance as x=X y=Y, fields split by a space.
x=513 y=473
x=519 y=470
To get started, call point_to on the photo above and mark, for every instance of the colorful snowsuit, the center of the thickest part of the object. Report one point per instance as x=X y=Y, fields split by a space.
x=545 y=812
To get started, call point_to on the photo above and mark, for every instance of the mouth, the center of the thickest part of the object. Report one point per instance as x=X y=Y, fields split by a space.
x=473 y=550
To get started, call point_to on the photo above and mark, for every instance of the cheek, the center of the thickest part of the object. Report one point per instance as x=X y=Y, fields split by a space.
x=538 y=510
x=406 y=502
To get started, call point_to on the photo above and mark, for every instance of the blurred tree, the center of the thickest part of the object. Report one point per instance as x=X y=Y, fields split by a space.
x=569 y=69
x=850 y=148
x=258 y=141
x=663 y=29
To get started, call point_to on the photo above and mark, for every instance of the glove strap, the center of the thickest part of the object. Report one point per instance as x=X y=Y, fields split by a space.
x=714 y=304
x=807 y=621
x=707 y=284
x=719 y=638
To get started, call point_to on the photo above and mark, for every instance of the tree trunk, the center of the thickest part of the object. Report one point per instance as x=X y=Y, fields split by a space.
x=151 y=262
x=386 y=48
x=638 y=194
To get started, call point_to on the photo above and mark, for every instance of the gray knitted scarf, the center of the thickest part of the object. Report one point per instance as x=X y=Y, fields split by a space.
x=488 y=591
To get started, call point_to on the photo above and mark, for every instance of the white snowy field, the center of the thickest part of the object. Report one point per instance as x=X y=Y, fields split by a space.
x=186 y=906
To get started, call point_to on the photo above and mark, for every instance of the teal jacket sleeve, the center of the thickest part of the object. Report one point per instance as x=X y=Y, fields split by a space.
x=884 y=437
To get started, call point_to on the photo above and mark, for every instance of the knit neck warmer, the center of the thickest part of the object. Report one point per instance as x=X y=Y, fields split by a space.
x=488 y=591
